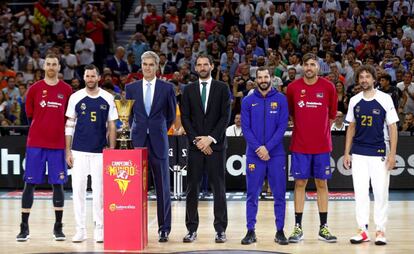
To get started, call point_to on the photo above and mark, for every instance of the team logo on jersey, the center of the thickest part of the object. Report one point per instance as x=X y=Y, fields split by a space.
x=252 y=166
x=273 y=105
x=62 y=175
x=122 y=173
x=60 y=96
x=357 y=109
x=44 y=93
x=103 y=107
x=42 y=103
x=376 y=111
x=301 y=104
x=319 y=95
x=83 y=106
x=380 y=151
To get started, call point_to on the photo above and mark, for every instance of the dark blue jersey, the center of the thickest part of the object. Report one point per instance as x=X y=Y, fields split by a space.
x=372 y=117
x=92 y=115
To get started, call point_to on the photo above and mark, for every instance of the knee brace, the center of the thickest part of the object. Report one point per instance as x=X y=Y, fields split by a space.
x=27 y=195
x=58 y=195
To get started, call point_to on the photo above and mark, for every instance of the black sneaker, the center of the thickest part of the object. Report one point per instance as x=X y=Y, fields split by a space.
x=281 y=238
x=58 y=233
x=23 y=236
x=190 y=237
x=220 y=237
x=249 y=238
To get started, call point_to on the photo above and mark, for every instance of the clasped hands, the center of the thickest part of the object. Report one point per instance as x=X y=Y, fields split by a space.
x=203 y=144
x=263 y=153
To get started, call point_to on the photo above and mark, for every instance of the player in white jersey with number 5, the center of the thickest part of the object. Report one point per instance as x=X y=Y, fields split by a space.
x=91 y=115
x=372 y=135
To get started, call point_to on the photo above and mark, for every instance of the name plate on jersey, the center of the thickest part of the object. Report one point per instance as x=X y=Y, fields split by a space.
x=124 y=108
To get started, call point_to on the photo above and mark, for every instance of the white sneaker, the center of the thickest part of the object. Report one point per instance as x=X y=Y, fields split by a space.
x=361 y=237
x=79 y=237
x=380 y=238
x=98 y=234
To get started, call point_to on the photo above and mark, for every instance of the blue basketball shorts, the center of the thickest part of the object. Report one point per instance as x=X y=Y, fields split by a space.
x=40 y=159
x=305 y=166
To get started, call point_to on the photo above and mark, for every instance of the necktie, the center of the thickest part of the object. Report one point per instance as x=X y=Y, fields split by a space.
x=147 y=99
x=204 y=95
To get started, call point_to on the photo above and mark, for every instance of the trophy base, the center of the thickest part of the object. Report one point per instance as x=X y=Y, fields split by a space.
x=124 y=144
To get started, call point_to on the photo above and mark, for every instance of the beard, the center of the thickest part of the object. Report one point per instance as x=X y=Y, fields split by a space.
x=310 y=74
x=264 y=86
x=204 y=74
x=50 y=74
x=91 y=85
x=367 y=87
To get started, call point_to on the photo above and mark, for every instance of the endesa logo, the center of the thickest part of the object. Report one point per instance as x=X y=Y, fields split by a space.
x=122 y=171
x=115 y=207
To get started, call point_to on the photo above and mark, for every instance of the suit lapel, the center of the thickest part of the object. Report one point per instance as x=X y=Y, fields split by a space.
x=140 y=96
x=157 y=93
x=210 y=96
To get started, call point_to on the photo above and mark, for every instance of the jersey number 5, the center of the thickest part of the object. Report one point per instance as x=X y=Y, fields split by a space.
x=366 y=120
x=93 y=116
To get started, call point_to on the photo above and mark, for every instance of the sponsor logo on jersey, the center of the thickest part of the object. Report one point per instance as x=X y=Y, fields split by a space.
x=319 y=95
x=103 y=107
x=42 y=103
x=311 y=104
x=60 y=96
x=83 y=106
x=301 y=104
x=357 y=109
x=273 y=105
x=376 y=111
x=254 y=104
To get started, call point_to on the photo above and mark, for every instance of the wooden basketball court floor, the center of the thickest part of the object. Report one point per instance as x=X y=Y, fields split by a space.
x=400 y=231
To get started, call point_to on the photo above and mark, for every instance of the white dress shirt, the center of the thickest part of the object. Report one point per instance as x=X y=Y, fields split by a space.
x=144 y=88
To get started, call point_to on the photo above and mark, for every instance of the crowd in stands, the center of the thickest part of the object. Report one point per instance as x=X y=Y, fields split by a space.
x=240 y=36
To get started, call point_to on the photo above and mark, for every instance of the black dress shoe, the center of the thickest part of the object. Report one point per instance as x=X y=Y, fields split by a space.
x=281 y=238
x=249 y=238
x=220 y=237
x=162 y=237
x=190 y=237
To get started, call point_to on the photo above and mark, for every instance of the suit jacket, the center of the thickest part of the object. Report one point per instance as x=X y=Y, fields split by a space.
x=161 y=117
x=212 y=123
x=179 y=56
x=113 y=65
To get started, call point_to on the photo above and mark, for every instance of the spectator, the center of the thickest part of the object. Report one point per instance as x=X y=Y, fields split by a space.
x=408 y=124
x=235 y=130
x=407 y=89
x=338 y=124
x=5 y=73
x=138 y=45
x=342 y=98
x=95 y=31
x=116 y=62
x=69 y=63
x=84 y=49
x=393 y=91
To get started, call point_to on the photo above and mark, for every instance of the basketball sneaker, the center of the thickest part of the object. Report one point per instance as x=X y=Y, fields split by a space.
x=380 y=238
x=325 y=235
x=297 y=234
x=58 y=233
x=361 y=237
x=80 y=236
x=23 y=236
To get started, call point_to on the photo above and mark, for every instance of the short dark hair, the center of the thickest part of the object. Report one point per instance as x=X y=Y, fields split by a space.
x=210 y=59
x=367 y=68
x=262 y=68
x=386 y=77
x=309 y=56
x=92 y=67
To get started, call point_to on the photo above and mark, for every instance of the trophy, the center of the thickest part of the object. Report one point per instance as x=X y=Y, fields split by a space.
x=123 y=140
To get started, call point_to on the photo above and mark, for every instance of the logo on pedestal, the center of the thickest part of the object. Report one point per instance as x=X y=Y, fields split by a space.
x=121 y=172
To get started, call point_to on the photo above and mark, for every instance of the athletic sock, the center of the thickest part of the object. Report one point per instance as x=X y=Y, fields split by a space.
x=25 y=217
x=298 y=219
x=59 y=215
x=323 y=217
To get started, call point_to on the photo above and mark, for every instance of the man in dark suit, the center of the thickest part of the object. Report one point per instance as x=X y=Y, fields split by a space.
x=116 y=62
x=175 y=56
x=153 y=114
x=205 y=114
